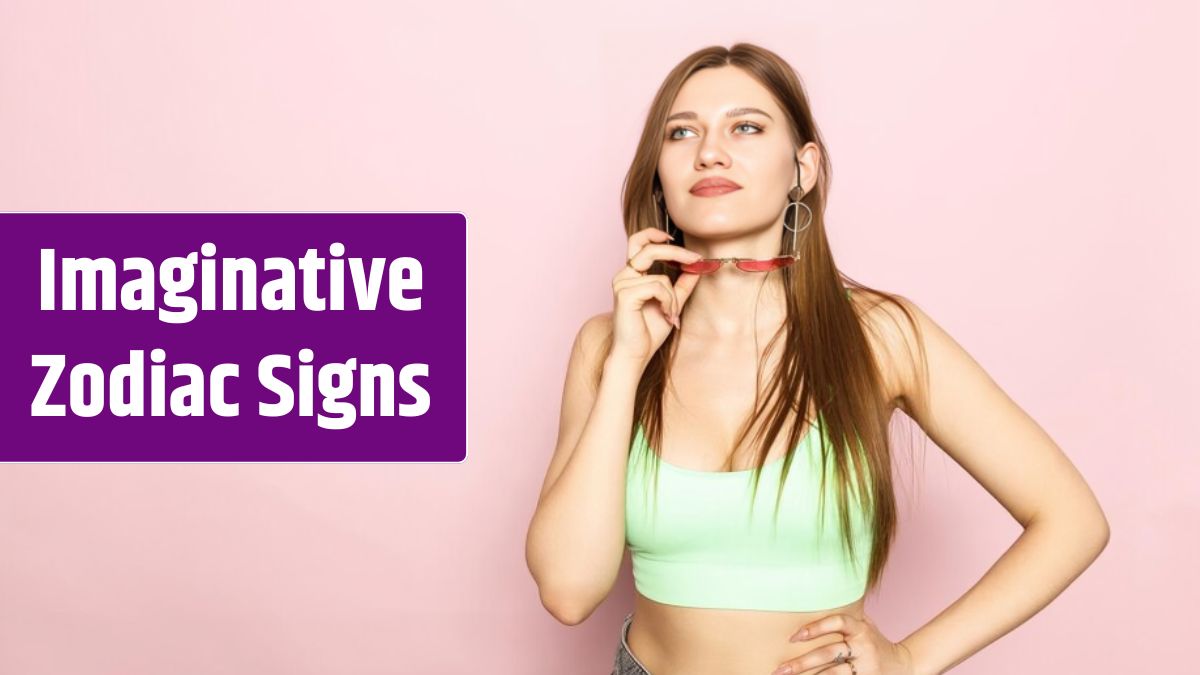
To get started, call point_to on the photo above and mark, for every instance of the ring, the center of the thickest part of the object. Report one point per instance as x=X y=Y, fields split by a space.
x=845 y=659
x=629 y=264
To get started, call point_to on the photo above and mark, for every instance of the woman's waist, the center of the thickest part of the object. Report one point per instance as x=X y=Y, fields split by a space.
x=677 y=639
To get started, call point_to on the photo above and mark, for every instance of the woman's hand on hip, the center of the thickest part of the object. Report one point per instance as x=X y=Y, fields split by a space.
x=864 y=649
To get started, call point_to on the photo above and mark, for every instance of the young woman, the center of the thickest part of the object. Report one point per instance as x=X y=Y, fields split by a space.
x=728 y=420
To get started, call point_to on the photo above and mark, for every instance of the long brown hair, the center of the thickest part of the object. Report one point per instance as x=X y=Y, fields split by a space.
x=826 y=352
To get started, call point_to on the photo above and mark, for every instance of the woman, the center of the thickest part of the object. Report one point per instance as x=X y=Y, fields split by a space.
x=727 y=252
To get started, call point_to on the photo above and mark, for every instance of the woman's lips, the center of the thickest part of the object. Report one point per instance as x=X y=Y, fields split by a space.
x=714 y=190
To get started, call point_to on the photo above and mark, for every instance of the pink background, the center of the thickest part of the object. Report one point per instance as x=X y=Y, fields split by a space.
x=1027 y=172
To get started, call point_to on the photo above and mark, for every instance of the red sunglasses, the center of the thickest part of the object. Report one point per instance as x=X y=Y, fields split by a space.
x=710 y=265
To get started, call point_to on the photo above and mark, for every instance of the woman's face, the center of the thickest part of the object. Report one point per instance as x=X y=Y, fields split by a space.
x=725 y=124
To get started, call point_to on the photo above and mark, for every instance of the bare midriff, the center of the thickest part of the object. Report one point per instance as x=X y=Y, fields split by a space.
x=674 y=640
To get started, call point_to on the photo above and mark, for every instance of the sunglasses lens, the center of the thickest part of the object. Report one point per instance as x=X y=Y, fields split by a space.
x=765 y=265
x=698 y=267
x=702 y=266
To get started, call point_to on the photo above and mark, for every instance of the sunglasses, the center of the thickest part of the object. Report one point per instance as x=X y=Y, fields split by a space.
x=710 y=265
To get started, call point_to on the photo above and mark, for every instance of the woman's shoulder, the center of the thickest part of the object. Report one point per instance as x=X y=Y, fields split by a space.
x=890 y=321
x=875 y=305
x=592 y=343
x=595 y=331
x=598 y=324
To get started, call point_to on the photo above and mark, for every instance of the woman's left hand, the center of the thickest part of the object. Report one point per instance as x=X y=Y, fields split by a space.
x=868 y=652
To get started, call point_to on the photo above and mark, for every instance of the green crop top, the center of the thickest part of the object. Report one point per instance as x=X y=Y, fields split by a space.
x=704 y=548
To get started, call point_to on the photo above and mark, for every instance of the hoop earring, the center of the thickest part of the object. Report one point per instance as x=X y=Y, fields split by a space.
x=797 y=203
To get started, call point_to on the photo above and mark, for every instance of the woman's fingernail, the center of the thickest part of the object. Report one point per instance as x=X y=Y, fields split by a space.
x=782 y=670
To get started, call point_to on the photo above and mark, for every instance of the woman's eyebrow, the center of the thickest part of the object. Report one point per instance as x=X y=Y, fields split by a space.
x=689 y=115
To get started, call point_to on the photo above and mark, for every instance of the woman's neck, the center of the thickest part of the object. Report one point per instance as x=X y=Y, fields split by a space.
x=731 y=304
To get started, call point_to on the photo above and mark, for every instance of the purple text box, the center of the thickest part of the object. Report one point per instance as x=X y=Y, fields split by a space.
x=425 y=348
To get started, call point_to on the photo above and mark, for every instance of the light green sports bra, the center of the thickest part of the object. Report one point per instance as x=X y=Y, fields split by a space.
x=705 y=548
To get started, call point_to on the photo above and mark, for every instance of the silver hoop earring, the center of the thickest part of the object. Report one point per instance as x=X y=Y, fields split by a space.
x=797 y=203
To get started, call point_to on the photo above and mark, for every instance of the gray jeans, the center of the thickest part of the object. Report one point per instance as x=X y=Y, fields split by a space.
x=625 y=662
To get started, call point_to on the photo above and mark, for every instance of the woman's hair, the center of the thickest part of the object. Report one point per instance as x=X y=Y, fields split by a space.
x=825 y=345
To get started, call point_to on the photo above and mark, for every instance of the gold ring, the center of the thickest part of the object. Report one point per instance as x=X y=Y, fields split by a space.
x=629 y=264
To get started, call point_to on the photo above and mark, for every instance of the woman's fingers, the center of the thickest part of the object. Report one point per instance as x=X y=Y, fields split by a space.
x=633 y=287
x=684 y=285
x=637 y=241
x=653 y=252
x=645 y=236
x=642 y=289
x=647 y=246
x=679 y=293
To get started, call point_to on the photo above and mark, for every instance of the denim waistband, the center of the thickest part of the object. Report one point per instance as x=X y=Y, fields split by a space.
x=626 y=662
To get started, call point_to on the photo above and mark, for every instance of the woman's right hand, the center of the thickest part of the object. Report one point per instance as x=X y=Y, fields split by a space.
x=640 y=326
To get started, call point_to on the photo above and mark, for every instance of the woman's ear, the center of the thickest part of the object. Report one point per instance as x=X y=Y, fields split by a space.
x=808 y=169
x=796 y=191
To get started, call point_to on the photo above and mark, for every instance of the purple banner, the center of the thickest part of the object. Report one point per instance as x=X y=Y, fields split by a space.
x=231 y=337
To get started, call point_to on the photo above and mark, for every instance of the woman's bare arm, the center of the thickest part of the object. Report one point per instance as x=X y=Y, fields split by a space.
x=968 y=415
x=576 y=538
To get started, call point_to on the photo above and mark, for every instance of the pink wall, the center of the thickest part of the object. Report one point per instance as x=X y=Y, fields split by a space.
x=1027 y=172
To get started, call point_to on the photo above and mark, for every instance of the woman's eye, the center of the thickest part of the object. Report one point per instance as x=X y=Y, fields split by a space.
x=671 y=134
